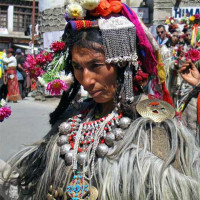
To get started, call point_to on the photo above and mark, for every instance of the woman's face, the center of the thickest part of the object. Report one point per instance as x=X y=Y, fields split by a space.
x=91 y=71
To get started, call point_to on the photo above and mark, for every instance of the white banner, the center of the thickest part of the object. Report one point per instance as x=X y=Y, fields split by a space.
x=180 y=12
x=50 y=37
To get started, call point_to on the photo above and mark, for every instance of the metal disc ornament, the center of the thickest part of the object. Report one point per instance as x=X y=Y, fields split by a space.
x=93 y=193
x=155 y=109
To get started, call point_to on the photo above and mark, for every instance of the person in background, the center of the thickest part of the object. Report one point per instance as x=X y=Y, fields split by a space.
x=21 y=74
x=11 y=76
x=161 y=35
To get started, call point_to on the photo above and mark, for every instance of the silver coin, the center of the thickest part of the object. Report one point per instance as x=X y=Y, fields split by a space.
x=63 y=139
x=65 y=148
x=65 y=128
x=119 y=134
x=109 y=139
x=102 y=150
x=68 y=157
x=81 y=158
x=124 y=122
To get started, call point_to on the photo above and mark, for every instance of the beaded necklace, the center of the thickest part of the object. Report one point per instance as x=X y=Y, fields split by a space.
x=81 y=139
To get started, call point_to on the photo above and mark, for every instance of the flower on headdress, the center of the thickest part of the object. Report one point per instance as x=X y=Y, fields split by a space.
x=40 y=59
x=116 y=6
x=5 y=112
x=75 y=11
x=192 y=18
x=193 y=54
x=89 y=4
x=104 y=8
x=55 y=87
x=57 y=46
x=69 y=79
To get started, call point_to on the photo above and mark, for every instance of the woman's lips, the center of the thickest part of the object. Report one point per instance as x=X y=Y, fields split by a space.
x=96 y=93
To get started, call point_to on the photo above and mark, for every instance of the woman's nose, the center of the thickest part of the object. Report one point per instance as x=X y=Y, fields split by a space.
x=88 y=79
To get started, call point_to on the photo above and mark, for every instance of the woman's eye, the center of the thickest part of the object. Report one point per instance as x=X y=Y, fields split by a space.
x=77 y=67
x=97 y=65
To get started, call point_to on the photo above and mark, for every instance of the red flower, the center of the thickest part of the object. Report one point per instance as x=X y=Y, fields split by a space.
x=116 y=6
x=5 y=112
x=197 y=16
x=56 y=87
x=104 y=8
x=40 y=59
x=58 y=46
x=193 y=54
x=49 y=57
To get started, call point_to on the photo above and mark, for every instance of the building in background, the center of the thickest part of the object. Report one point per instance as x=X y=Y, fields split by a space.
x=15 y=23
x=174 y=8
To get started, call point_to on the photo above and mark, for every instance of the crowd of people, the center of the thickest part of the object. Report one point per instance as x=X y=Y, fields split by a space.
x=136 y=137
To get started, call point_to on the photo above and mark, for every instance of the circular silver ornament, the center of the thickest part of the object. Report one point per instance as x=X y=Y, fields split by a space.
x=102 y=150
x=65 y=128
x=119 y=134
x=68 y=157
x=65 y=148
x=81 y=158
x=63 y=139
x=124 y=122
x=109 y=139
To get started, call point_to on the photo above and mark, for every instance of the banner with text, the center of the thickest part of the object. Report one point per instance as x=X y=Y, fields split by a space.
x=180 y=12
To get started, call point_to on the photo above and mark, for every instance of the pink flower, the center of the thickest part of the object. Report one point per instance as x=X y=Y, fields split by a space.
x=197 y=16
x=5 y=112
x=193 y=54
x=40 y=59
x=55 y=87
x=58 y=46
x=49 y=57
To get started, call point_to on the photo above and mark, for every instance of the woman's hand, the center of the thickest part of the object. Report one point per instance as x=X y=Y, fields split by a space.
x=190 y=73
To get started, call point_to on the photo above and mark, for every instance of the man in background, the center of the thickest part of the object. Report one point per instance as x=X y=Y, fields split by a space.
x=161 y=35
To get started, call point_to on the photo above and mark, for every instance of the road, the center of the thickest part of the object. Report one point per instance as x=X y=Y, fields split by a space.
x=27 y=124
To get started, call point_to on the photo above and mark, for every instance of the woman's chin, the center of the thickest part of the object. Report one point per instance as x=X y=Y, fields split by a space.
x=102 y=99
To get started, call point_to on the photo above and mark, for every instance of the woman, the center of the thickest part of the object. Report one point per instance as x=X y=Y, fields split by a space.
x=103 y=148
x=11 y=76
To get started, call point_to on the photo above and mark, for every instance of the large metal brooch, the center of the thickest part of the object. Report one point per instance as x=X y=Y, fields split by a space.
x=155 y=109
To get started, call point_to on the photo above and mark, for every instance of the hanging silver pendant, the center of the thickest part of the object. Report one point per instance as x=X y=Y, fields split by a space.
x=128 y=83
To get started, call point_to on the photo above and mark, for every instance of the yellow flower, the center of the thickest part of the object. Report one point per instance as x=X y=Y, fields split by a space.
x=192 y=18
x=89 y=4
x=167 y=21
x=75 y=10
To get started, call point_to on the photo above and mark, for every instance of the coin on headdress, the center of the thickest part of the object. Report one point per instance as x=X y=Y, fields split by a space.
x=155 y=109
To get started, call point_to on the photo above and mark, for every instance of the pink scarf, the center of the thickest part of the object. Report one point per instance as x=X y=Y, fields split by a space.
x=148 y=59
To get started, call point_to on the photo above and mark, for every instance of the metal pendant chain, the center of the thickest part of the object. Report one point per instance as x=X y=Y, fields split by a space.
x=128 y=81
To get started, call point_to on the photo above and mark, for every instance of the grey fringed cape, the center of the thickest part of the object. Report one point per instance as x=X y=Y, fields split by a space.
x=152 y=162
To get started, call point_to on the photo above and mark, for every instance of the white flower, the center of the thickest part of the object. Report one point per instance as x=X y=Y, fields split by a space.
x=3 y=102
x=70 y=1
x=41 y=80
x=69 y=79
x=75 y=11
x=172 y=21
x=89 y=4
